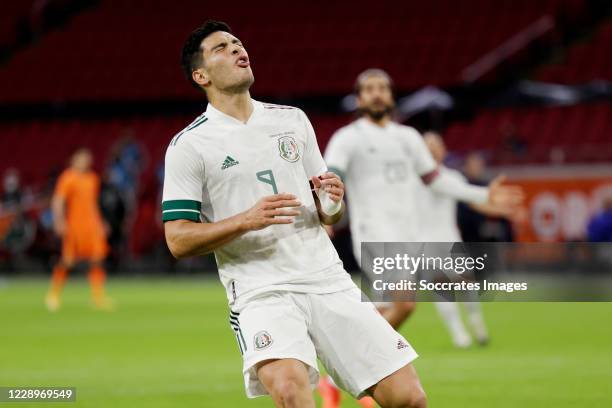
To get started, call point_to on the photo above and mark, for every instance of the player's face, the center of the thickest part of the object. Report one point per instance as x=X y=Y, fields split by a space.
x=82 y=161
x=474 y=166
x=375 y=98
x=226 y=64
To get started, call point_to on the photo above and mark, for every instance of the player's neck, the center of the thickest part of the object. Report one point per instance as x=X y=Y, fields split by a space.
x=237 y=105
x=382 y=122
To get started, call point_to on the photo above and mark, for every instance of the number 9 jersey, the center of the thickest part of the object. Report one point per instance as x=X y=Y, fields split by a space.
x=219 y=166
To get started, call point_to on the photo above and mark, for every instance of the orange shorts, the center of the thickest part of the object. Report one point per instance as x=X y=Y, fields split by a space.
x=82 y=246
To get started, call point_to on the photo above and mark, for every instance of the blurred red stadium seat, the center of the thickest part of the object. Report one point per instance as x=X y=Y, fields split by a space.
x=585 y=61
x=582 y=131
x=129 y=50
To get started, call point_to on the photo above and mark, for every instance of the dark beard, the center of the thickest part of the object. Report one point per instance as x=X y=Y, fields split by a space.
x=376 y=115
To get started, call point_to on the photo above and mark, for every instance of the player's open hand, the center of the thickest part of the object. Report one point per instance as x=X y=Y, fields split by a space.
x=505 y=196
x=331 y=183
x=273 y=209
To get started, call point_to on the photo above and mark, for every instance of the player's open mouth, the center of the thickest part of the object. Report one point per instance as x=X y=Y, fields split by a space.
x=243 y=62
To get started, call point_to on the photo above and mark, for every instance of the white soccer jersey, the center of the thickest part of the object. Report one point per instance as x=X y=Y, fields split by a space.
x=438 y=212
x=381 y=168
x=218 y=167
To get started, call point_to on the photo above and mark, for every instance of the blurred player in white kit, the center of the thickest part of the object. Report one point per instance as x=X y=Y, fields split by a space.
x=438 y=217
x=383 y=164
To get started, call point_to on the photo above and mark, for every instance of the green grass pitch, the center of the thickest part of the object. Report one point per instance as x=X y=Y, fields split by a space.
x=169 y=345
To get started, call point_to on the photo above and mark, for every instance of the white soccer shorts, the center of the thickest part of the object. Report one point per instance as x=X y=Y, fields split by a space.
x=353 y=341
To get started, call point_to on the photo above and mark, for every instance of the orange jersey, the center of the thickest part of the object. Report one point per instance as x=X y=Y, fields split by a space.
x=85 y=237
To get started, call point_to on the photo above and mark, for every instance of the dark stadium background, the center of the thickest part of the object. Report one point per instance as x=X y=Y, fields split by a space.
x=526 y=84
x=522 y=87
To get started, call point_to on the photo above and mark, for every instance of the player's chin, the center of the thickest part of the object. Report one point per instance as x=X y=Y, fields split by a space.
x=377 y=112
x=241 y=83
x=246 y=77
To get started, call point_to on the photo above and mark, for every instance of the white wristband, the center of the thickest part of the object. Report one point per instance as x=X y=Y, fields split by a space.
x=328 y=206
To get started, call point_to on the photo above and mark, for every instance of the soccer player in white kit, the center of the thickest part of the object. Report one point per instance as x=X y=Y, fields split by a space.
x=438 y=218
x=237 y=183
x=382 y=164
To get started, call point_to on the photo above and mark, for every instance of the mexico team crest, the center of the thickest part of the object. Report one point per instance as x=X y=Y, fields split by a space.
x=288 y=148
x=262 y=340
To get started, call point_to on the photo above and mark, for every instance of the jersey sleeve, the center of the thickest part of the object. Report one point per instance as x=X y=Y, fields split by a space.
x=424 y=164
x=458 y=175
x=313 y=162
x=458 y=188
x=338 y=153
x=183 y=182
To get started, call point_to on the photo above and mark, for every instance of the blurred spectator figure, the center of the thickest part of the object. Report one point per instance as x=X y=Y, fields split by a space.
x=474 y=226
x=512 y=142
x=11 y=189
x=112 y=207
x=126 y=164
x=159 y=177
x=557 y=155
x=20 y=235
x=600 y=226
x=474 y=168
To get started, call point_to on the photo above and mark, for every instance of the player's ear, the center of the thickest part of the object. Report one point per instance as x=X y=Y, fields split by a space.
x=200 y=77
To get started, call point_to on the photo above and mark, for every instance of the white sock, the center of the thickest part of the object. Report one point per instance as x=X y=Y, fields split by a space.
x=476 y=320
x=449 y=311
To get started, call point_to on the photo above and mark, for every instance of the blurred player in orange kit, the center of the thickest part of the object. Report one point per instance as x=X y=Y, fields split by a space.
x=77 y=220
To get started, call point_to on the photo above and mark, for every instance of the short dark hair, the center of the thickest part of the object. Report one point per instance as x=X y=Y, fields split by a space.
x=191 y=54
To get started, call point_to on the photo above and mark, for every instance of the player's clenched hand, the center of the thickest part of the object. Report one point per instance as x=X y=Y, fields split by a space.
x=504 y=195
x=331 y=183
x=274 y=209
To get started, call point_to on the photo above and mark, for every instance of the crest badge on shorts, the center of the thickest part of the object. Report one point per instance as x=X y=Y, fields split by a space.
x=262 y=340
x=288 y=148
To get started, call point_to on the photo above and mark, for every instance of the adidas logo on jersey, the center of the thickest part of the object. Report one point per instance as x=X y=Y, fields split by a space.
x=229 y=162
x=401 y=344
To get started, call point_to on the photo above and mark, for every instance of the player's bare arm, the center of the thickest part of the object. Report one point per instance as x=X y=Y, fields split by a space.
x=515 y=214
x=186 y=238
x=333 y=185
x=59 y=221
x=496 y=194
